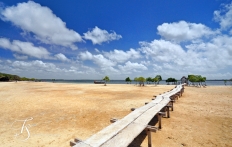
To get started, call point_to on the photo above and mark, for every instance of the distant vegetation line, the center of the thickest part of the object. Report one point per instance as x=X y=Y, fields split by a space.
x=9 y=77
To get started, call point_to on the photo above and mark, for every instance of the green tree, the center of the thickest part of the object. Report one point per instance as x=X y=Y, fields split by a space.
x=128 y=80
x=202 y=79
x=9 y=77
x=106 y=79
x=173 y=80
x=194 y=79
x=155 y=80
x=32 y=79
x=149 y=79
x=141 y=81
x=136 y=80
x=159 y=78
x=4 y=78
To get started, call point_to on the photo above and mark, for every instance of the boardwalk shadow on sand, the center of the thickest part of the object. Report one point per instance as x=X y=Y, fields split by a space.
x=140 y=138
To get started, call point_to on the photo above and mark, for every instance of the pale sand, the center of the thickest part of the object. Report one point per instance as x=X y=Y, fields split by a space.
x=61 y=112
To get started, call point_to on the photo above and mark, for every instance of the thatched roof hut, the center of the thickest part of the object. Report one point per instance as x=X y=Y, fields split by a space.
x=184 y=80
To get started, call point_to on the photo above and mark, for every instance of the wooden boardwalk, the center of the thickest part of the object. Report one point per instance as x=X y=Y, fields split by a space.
x=122 y=132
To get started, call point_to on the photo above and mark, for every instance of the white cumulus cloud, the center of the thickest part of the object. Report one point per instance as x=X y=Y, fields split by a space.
x=36 y=65
x=61 y=57
x=122 y=56
x=39 y=20
x=25 y=48
x=224 y=16
x=130 y=67
x=101 y=61
x=86 y=55
x=162 y=50
x=183 y=31
x=104 y=63
x=98 y=36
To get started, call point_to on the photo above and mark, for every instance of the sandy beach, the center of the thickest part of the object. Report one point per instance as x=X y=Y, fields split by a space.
x=52 y=114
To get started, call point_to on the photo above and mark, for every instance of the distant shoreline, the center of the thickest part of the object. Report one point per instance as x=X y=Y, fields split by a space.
x=163 y=82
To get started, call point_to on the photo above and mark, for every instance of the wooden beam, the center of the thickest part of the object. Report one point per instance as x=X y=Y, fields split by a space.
x=72 y=143
x=151 y=128
x=76 y=140
x=112 y=120
x=132 y=109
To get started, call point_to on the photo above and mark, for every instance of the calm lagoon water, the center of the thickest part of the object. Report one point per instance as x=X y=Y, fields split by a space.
x=208 y=82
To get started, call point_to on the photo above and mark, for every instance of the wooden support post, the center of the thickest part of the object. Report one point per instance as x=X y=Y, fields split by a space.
x=172 y=101
x=149 y=138
x=168 y=112
x=160 y=114
x=182 y=91
x=177 y=95
x=173 y=98
x=159 y=119
x=150 y=129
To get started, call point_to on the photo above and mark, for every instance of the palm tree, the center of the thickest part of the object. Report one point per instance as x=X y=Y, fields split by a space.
x=106 y=79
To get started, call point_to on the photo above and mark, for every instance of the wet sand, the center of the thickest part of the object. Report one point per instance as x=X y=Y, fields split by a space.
x=57 y=113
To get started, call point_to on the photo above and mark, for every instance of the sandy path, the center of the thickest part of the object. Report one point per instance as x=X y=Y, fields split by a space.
x=61 y=112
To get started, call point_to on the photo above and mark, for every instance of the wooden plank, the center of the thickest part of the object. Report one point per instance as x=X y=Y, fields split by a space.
x=125 y=137
x=146 y=117
x=111 y=130
x=157 y=99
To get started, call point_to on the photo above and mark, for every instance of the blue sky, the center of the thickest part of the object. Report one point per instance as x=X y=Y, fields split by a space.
x=89 y=39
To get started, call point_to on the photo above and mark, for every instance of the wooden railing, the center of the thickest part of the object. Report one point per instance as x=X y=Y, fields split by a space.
x=122 y=132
